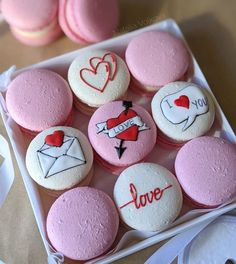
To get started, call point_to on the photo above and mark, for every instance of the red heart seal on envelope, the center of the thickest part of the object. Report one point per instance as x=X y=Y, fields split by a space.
x=55 y=139
x=98 y=77
x=182 y=101
x=130 y=133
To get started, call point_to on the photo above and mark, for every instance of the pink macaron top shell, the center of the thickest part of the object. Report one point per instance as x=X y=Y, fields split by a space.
x=38 y=99
x=89 y=20
x=206 y=170
x=82 y=223
x=138 y=141
x=29 y=14
x=156 y=58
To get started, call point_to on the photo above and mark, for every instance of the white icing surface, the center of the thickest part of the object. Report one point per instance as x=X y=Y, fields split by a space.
x=215 y=244
x=96 y=78
x=183 y=111
x=59 y=168
x=155 y=215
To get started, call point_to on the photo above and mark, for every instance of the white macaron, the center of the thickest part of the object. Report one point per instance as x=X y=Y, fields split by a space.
x=60 y=158
x=182 y=111
x=148 y=197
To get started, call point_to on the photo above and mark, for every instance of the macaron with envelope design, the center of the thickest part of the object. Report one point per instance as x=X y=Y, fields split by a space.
x=60 y=158
x=182 y=111
x=97 y=77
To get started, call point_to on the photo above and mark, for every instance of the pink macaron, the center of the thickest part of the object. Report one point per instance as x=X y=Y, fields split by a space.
x=32 y=22
x=86 y=21
x=122 y=134
x=206 y=170
x=38 y=99
x=156 y=58
x=82 y=223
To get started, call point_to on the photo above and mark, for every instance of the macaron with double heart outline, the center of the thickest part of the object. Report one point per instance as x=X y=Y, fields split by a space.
x=96 y=78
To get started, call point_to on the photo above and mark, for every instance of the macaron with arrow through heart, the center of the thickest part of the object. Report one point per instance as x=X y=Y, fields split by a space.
x=96 y=78
x=182 y=111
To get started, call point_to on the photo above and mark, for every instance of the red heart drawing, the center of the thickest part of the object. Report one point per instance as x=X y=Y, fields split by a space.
x=131 y=133
x=182 y=101
x=96 y=78
x=55 y=139
x=108 y=57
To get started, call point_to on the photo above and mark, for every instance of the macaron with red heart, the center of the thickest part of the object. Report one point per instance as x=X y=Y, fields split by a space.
x=97 y=77
x=60 y=158
x=121 y=134
x=182 y=111
x=38 y=99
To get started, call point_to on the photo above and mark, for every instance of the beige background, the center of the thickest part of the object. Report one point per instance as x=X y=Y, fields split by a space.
x=210 y=29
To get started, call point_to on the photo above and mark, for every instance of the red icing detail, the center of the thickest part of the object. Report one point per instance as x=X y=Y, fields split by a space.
x=144 y=199
x=113 y=61
x=104 y=76
x=182 y=101
x=55 y=139
x=131 y=133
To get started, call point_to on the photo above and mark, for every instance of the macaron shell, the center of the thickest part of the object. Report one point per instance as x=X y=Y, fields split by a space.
x=136 y=150
x=206 y=170
x=156 y=58
x=90 y=79
x=82 y=223
x=74 y=166
x=29 y=14
x=90 y=20
x=183 y=111
x=155 y=212
x=38 y=99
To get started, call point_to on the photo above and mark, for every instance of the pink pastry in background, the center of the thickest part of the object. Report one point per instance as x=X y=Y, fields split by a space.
x=206 y=169
x=85 y=21
x=122 y=134
x=32 y=22
x=82 y=223
x=38 y=99
x=154 y=59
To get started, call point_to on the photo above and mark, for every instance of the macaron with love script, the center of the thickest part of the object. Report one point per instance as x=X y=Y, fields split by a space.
x=97 y=77
x=148 y=197
x=122 y=134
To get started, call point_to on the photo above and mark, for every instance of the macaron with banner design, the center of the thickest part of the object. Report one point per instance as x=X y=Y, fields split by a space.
x=60 y=158
x=148 y=197
x=156 y=58
x=32 y=22
x=122 y=134
x=182 y=111
x=97 y=77
x=85 y=21
x=38 y=99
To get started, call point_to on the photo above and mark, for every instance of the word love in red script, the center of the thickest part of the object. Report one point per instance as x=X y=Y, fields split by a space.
x=144 y=199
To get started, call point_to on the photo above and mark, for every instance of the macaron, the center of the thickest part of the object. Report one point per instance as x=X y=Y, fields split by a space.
x=206 y=170
x=38 y=99
x=97 y=77
x=82 y=223
x=182 y=111
x=148 y=197
x=60 y=158
x=154 y=59
x=32 y=22
x=121 y=134
x=86 y=21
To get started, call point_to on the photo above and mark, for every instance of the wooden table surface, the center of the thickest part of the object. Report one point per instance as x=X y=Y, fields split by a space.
x=210 y=29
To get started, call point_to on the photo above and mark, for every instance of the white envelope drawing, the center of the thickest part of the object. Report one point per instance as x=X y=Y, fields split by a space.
x=54 y=160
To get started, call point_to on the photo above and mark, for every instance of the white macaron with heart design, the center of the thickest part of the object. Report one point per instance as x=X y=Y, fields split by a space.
x=148 y=197
x=60 y=158
x=97 y=77
x=182 y=111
